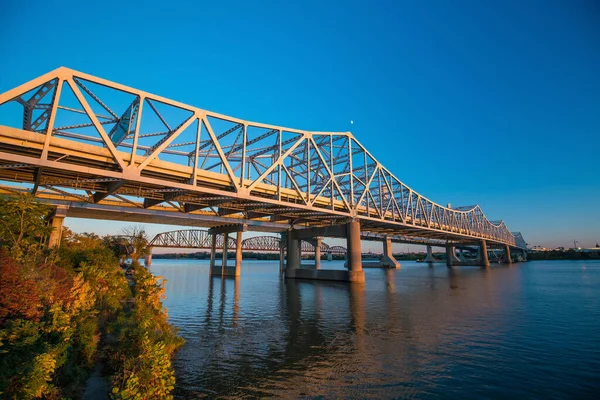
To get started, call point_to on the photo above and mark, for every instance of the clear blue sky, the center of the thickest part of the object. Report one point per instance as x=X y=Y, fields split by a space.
x=488 y=102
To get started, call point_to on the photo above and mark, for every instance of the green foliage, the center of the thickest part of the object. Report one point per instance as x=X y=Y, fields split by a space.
x=146 y=344
x=23 y=227
x=55 y=304
x=133 y=243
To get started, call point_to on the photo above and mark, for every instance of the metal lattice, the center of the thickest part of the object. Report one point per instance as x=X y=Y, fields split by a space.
x=80 y=140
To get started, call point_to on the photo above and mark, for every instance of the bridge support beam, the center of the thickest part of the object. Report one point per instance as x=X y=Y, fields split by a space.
x=213 y=251
x=282 y=245
x=293 y=254
x=387 y=259
x=429 y=258
x=225 y=269
x=354 y=252
x=318 y=242
x=224 y=254
x=57 y=218
x=507 y=257
x=449 y=255
x=329 y=256
x=351 y=231
x=483 y=255
x=238 y=254
x=148 y=258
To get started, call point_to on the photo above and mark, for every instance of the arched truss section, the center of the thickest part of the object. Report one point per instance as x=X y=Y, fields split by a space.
x=200 y=239
x=261 y=243
x=86 y=139
x=337 y=250
x=189 y=239
x=309 y=247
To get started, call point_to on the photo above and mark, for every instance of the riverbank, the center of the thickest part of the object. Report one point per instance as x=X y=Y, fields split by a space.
x=64 y=311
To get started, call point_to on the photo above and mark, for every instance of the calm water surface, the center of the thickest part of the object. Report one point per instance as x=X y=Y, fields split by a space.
x=530 y=330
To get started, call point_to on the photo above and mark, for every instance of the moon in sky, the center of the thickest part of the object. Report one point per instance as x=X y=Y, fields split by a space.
x=351 y=122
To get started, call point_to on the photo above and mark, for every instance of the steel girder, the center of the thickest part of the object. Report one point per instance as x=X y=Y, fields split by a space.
x=87 y=139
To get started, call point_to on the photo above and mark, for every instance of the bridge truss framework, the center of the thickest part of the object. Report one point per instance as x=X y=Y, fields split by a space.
x=104 y=150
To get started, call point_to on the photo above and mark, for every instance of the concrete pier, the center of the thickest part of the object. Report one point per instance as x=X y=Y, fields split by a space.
x=483 y=255
x=282 y=245
x=507 y=257
x=318 y=242
x=388 y=259
x=57 y=218
x=450 y=255
x=148 y=258
x=238 y=253
x=356 y=273
x=429 y=258
x=213 y=251
x=351 y=231
x=225 y=250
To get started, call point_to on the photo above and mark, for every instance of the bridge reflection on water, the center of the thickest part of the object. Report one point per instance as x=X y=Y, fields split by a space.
x=510 y=331
x=262 y=335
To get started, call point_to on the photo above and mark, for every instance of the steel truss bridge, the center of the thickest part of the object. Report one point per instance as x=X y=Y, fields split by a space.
x=108 y=151
x=201 y=239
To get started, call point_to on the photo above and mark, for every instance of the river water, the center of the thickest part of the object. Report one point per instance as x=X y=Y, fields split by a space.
x=530 y=330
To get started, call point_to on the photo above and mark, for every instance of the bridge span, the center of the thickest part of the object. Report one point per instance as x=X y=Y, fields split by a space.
x=99 y=149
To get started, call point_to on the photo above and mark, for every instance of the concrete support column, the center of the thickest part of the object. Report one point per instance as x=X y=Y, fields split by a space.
x=282 y=242
x=148 y=258
x=213 y=250
x=449 y=254
x=293 y=253
x=388 y=259
x=329 y=256
x=429 y=258
x=57 y=219
x=318 y=242
x=354 y=252
x=524 y=255
x=507 y=257
x=485 y=262
x=238 y=254
x=225 y=249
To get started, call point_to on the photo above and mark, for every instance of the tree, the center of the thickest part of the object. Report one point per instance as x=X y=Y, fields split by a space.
x=132 y=243
x=23 y=226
